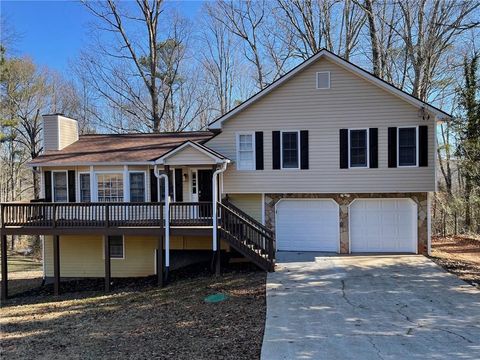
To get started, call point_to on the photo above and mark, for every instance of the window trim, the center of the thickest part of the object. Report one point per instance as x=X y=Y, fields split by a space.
x=329 y=80
x=53 y=185
x=108 y=172
x=367 y=150
x=79 y=188
x=123 y=248
x=298 y=149
x=144 y=183
x=237 y=136
x=416 y=145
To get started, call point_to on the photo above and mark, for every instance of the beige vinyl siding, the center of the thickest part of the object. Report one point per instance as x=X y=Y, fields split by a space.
x=82 y=255
x=250 y=203
x=189 y=156
x=50 y=134
x=352 y=102
x=68 y=132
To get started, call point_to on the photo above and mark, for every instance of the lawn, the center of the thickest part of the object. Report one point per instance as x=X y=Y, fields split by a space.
x=138 y=320
x=459 y=255
x=25 y=272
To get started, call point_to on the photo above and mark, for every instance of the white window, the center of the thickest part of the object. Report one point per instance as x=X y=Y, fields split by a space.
x=84 y=183
x=60 y=186
x=245 y=151
x=110 y=187
x=137 y=187
x=290 y=149
x=407 y=146
x=358 y=148
x=323 y=80
x=117 y=247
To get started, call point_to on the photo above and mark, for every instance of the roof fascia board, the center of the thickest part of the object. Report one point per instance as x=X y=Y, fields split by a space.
x=120 y=163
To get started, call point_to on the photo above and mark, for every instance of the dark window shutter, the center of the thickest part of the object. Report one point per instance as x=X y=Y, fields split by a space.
x=276 y=150
x=47 y=176
x=178 y=185
x=304 y=149
x=170 y=184
x=373 y=145
x=153 y=186
x=259 y=150
x=423 y=145
x=71 y=186
x=392 y=147
x=343 y=148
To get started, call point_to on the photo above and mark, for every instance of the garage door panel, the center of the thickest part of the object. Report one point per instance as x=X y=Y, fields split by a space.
x=383 y=225
x=307 y=225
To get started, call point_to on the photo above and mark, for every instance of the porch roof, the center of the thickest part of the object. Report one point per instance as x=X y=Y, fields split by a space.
x=191 y=153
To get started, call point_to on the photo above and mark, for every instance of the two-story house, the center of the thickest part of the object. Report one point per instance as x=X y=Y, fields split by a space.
x=327 y=158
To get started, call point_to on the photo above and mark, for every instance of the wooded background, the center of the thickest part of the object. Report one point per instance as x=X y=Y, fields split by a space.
x=147 y=68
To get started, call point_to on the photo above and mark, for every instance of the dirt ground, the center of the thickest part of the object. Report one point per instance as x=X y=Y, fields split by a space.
x=138 y=320
x=459 y=255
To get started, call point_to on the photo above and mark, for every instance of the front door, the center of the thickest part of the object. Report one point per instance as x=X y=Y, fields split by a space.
x=205 y=185
x=205 y=191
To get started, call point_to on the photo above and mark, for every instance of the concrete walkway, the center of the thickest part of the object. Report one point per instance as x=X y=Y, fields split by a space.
x=368 y=307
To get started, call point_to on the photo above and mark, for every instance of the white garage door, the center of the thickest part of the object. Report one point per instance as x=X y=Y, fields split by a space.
x=307 y=225
x=383 y=225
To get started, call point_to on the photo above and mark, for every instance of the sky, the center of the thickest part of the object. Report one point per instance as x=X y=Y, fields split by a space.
x=52 y=33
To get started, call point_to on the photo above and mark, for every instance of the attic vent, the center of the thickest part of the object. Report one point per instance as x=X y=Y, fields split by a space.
x=323 y=80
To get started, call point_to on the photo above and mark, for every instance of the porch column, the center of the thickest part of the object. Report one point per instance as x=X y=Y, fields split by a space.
x=167 y=221
x=4 y=268
x=159 y=252
x=56 y=265
x=106 y=242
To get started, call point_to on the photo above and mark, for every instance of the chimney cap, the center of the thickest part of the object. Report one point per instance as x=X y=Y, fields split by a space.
x=54 y=114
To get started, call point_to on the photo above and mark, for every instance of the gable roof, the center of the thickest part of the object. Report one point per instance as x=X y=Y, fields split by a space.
x=217 y=157
x=123 y=149
x=216 y=124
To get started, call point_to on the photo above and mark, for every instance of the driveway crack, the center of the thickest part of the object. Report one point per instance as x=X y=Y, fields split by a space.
x=344 y=295
x=377 y=350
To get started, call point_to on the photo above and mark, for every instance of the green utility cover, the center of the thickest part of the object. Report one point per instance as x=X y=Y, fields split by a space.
x=215 y=298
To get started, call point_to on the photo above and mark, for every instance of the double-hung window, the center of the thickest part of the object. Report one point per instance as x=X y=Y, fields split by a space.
x=116 y=247
x=137 y=187
x=245 y=151
x=290 y=150
x=358 y=152
x=110 y=187
x=84 y=180
x=407 y=146
x=60 y=186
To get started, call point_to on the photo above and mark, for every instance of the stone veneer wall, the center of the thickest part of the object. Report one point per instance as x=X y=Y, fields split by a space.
x=343 y=201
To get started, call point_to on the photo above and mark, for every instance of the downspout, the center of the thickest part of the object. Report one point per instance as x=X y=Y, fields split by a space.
x=214 y=201
x=166 y=217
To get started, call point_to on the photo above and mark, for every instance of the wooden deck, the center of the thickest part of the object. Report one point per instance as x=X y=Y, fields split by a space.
x=105 y=218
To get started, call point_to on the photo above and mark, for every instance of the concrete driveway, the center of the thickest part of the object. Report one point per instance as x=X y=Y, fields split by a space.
x=368 y=307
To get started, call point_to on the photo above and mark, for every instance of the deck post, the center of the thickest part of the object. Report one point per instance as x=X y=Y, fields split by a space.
x=4 y=268
x=106 y=243
x=160 y=261
x=56 y=264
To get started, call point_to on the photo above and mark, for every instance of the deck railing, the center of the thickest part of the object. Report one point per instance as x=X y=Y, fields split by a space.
x=95 y=214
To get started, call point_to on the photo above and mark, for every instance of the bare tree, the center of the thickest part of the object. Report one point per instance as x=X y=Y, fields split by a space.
x=428 y=29
x=244 y=19
x=142 y=55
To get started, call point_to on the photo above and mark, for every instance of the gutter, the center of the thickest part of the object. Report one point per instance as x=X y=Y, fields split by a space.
x=166 y=217
x=215 y=246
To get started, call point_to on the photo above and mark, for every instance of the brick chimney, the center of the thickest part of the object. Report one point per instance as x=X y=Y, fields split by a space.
x=59 y=131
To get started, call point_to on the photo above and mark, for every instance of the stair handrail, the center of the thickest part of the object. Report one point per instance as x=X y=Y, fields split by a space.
x=247 y=217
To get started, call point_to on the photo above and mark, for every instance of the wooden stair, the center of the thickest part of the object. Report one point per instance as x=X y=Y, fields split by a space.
x=247 y=236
